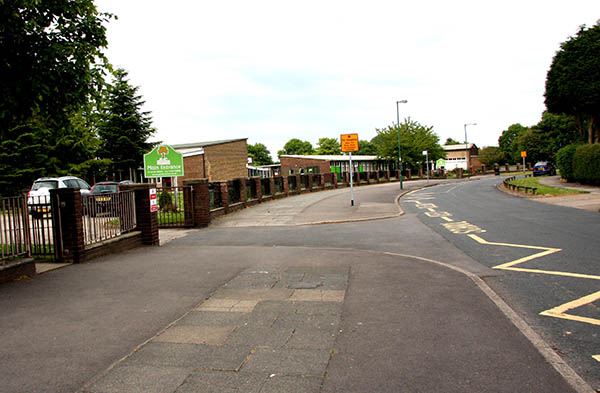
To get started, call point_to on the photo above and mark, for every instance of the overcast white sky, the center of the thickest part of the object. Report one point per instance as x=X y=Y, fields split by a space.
x=270 y=71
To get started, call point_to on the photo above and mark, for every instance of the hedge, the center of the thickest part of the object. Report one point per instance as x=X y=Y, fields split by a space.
x=564 y=162
x=586 y=163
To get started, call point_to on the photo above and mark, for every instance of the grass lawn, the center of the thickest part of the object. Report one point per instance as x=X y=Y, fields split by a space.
x=543 y=189
x=515 y=173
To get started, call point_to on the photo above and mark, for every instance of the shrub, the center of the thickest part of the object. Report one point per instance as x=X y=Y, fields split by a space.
x=564 y=162
x=586 y=163
x=165 y=201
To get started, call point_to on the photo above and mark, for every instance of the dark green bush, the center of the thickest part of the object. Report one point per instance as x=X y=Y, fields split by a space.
x=564 y=162
x=165 y=201
x=586 y=163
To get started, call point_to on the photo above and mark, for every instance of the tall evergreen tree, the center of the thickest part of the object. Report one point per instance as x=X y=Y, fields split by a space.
x=124 y=128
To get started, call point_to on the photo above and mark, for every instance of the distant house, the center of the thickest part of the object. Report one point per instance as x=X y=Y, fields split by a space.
x=461 y=156
x=298 y=164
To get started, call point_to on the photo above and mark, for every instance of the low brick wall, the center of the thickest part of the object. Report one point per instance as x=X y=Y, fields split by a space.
x=122 y=243
x=16 y=269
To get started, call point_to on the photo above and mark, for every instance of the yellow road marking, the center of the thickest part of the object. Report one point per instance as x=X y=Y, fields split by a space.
x=462 y=227
x=597 y=357
x=547 y=251
x=447 y=219
x=561 y=311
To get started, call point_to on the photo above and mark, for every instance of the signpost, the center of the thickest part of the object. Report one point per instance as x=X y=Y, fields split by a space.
x=153 y=201
x=523 y=154
x=349 y=144
x=163 y=161
x=426 y=154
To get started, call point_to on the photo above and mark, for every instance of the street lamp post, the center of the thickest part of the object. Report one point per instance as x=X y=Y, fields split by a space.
x=398 y=125
x=467 y=144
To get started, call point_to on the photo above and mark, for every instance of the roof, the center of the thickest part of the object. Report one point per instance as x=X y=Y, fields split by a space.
x=333 y=157
x=462 y=146
x=195 y=146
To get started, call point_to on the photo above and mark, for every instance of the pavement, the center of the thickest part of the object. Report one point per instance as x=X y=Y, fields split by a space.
x=251 y=305
x=588 y=201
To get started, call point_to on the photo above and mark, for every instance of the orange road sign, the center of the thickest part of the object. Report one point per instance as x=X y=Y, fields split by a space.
x=523 y=154
x=349 y=142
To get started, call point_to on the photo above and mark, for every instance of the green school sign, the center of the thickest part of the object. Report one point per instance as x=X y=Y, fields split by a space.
x=163 y=161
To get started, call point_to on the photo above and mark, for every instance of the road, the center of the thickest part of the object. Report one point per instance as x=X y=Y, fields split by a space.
x=406 y=310
x=548 y=258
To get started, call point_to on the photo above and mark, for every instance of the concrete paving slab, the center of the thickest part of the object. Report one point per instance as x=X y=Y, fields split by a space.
x=290 y=362
x=264 y=336
x=253 y=294
x=317 y=295
x=306 y=337
x=213 y=318
x=278 y=384
x=142 y=378
x=202 y=381
x=189 y=334
x=196 y=356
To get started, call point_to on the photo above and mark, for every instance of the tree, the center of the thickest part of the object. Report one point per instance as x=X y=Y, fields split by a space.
x=491 y=155
x=573 y=81
x=328 y=146
x=48 y=72
x=450 y=141
x=260 y=154
x=366 y=148
x=414 y=139
x=123 y=128
x=296 y=147
x=508 y=142
x=559 y=130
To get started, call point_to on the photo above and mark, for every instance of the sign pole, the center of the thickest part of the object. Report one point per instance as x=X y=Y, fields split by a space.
x=351 y=176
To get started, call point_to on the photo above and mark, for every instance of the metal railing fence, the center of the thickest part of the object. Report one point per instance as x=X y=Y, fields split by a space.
x=106 y=216
x=14 y=228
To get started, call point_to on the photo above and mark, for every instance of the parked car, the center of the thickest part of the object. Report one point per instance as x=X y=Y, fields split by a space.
x=102 y=195
x=543 y=168
x=38 y=198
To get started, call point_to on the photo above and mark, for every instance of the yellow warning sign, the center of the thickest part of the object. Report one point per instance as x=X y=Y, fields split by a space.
x=349 y=142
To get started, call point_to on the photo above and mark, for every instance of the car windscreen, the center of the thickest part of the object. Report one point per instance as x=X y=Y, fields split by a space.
x=51 y=184
x=104 y=188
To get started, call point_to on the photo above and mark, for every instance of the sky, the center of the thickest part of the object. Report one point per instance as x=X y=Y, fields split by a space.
x=271 y=71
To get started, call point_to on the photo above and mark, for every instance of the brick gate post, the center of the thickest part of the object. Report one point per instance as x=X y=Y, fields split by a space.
x=68 y=225
x=201 y=201
x=147 y=221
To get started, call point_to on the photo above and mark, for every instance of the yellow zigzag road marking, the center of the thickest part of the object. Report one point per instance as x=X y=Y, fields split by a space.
x=560 y=311
x=597 y=357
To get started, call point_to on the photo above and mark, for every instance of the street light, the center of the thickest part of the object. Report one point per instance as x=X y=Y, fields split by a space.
x=398 y=124
x=467 y=144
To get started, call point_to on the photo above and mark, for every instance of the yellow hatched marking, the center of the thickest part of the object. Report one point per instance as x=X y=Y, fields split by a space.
x=447 y=219
x=561 y=311
x=547 y=251
x=597 y=357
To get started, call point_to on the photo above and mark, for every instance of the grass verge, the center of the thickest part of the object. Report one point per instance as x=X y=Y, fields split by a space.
x=544 y=189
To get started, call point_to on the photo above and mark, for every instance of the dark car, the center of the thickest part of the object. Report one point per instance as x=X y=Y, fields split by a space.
x=102 y=194
x=543 y=168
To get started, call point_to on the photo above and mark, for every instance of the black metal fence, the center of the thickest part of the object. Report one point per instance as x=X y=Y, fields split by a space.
x=171 y=206
x=106 y=216
x=14 y=228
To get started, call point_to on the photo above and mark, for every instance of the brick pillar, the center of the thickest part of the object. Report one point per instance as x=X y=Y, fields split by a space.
x=387 y=174
x=258 y=185
x=408 y=174
x=483 y=169
x=298 y=183
x=334 y=180
x=243 y=191
x=459 y=173
x=272 y=185
x=507 y=168
x=201 y=201
x=68 y=202
x=285 y=186
x=420 y=173
x=518 y=167
x=188 y=203
x=147 y=221
x=309 y=177
x=224 y=195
